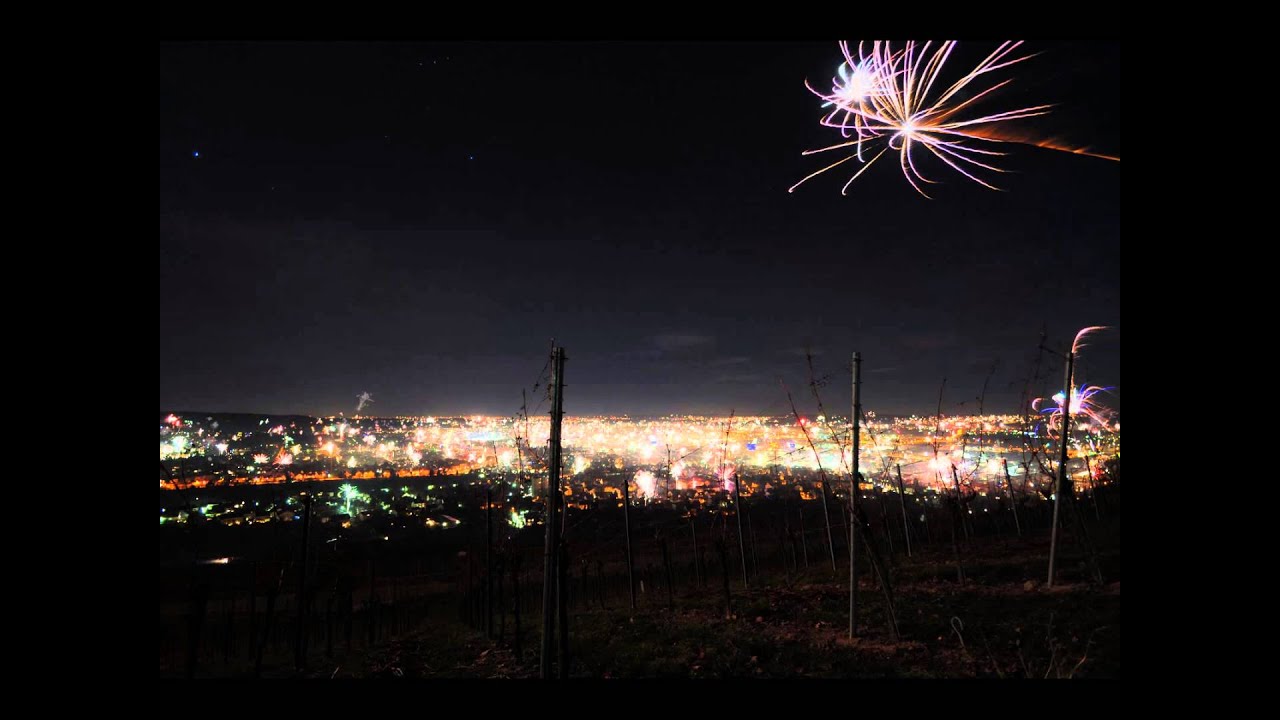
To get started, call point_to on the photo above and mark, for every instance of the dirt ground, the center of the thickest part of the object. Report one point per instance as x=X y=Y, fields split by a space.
x=1001 y=622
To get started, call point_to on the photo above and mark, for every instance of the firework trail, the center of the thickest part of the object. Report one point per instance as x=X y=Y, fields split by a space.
x=1053 y=145
x=1023 y=138
x=364 y=398
x=886 y=96
x=1078 y=344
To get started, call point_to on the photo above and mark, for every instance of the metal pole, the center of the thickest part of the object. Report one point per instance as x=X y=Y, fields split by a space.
x=1062 y=465
x=853 y=497
x=553 y=500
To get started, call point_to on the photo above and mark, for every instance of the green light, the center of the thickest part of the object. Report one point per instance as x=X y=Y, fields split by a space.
x=348 y=492
x=517 y=519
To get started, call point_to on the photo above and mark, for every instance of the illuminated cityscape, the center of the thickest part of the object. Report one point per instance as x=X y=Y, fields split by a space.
x=676 y=458
x=559 y=359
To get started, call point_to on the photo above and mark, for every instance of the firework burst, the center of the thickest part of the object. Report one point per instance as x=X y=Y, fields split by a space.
x=1082 y=399
x=646 y=483
x=728 y=478
x=889 y=96
x=1082 y=403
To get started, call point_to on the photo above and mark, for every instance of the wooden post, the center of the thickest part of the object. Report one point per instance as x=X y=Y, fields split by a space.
x=782 y=550
x=1013 y=500
x=804 y=542
x=600 y=581
x=549 y=574
x=351 y=613
x=737 y=501
x=697 y=568
x=195 y=624
x=626 y=527
x=299 y=641
x=724 y=575
x=272 y=593
x=960 y=504
x=502 y=608
x=369 y=608
x=826 y=513
x=666 y=561
x=253 y=607
x=1093 y=488
x=488 y=561
x=328 y=623
x=853 y=492
x=562 y=605
x=902 y=496
x=1061 y=481
x=515 y=591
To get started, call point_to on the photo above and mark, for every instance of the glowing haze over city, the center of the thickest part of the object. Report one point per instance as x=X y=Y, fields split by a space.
x=678 y=453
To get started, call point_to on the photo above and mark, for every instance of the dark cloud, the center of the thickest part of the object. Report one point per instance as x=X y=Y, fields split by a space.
x=681 y=341
x=747 y=378
x=929 y=340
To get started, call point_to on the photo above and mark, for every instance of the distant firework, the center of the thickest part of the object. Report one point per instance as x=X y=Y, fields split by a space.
x=1082 y=403
x=646 y=482
x=728 y=479
x=364 y=398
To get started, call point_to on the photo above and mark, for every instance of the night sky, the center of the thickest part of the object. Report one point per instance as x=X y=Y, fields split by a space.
x=418 y=221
